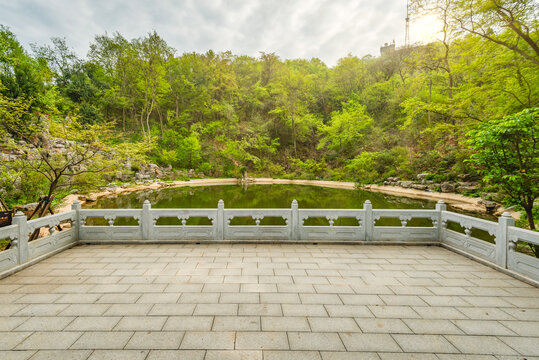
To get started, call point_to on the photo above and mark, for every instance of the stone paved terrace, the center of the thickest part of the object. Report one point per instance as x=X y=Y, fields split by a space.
x=265 y=302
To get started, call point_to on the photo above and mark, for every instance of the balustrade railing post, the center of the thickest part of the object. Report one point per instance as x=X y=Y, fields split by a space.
x=76 y=223
x=220 y=233
x=502 y=241
x=369 y=221
x=440 y=207
x=22 y=237
x=295 y=225
x=146 y=220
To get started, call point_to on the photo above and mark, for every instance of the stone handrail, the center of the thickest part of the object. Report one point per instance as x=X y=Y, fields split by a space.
x=293 y=228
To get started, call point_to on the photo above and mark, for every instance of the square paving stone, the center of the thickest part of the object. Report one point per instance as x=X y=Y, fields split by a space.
x=473 y=357
x=119 y=355
x=407 y=356
x=482 y=327
x=93 y=323
x=208 y=340
x=102 y=340
x=239 y=298
x=141 y=323
x=402 y=300
x=260 y=309
x=188 y=323
x=432 y=326
x=395 y=312
x=315 y=341
x=484 y=313
x=118 y=299
x=528 y=346
x=199 y=298
x=259 y=288
x=233 y=355
x=348 y=311
x=172 y=309
x=8 y=340
x=279 y=298
x=424 y=344
x=304 y=310
x=48 y=323
x=10 y=309
x=155 y=340
x=49 y=341
x=361 y=299
x=262 y=340
x=333 y=355
x=369 y=342
x=323 y=299
x=61 y=354
x=216 y=309
x=292 y=355
x=85 y=309
x=41 y=310
x=176 y=355
x=9 y=323
x=128 y=309
x=480 y=345
x=523 y=328
x=279 y=323
x=321 y=324
x=439 y=312
x=164 y=298
x=236 y=323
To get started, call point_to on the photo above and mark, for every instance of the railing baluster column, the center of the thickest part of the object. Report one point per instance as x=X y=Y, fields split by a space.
x=22 y=237
x=440 y=207
x=76 y=206
x=369 y=221
x=502 y=240
x=146 y=220
x=220 y=221
x=295 y=230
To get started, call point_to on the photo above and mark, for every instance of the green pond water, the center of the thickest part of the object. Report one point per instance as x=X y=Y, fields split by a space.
x=263 y=196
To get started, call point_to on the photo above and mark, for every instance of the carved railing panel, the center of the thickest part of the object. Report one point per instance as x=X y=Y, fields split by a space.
x=108 y=230
x=256 y=231
x=331 y=232
x=402 y=231
x=8 y=257
x=466 y=241
x=519 y=262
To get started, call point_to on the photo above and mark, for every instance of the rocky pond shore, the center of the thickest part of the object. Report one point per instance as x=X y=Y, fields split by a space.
x=458 y=201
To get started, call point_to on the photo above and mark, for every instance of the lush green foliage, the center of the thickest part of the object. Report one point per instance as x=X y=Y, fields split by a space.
x=365 y=119
x=507 y=153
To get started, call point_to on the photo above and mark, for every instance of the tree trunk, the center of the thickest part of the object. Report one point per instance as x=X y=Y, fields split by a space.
x=294 y=136
x=148 y=113
x=529 y=214
x=123 y=119
x=430 y=96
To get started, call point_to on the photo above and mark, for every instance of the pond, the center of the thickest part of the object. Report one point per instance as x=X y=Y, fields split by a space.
x=263 y=196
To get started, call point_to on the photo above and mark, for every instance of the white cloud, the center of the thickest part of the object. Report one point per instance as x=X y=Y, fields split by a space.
x=327 y=29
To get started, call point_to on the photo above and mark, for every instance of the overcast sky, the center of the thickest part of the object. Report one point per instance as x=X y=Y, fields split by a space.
x=327 y=29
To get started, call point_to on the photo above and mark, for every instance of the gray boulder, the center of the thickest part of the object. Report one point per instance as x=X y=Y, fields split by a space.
x=422 y=177
x=447 y=187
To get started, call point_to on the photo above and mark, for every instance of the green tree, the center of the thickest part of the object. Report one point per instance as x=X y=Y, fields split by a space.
x=346 y=128
x=512 y=24
x=506 y=152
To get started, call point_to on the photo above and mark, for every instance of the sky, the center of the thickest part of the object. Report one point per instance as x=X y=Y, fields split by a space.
x=326 y=29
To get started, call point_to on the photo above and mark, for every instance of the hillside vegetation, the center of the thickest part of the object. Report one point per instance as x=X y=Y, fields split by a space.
x=426 y=108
